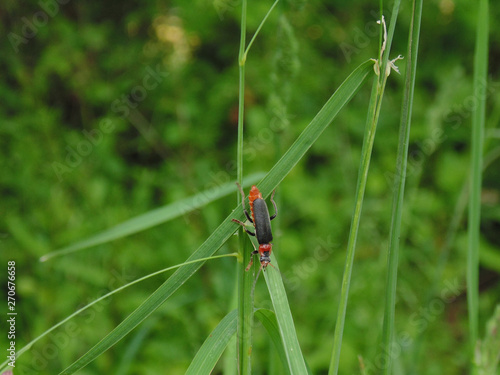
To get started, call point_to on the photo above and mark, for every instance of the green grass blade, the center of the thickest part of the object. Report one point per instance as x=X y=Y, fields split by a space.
x=157 y=298
x=154 y=217
x=293 y=353
x=370 y=129
x=245 y=308
x=489 y=256
x=213 y=347
x=360 y=187
x=107 y=295
x=268 y=320
x=399 y=187
x=136 y=343
x=222 y=233
x=245 y=300
x=478 y=119
x=260 y=27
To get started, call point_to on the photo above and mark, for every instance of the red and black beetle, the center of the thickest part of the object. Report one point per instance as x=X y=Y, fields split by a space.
x=261 y=222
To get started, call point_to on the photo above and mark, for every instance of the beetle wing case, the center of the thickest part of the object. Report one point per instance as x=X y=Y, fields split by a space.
x=262 y=222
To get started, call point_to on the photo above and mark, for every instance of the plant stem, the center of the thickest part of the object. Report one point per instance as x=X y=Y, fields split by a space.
x=371 y=127
x=399 y=186
x=245 y=279
x=480 y=75
x=245 y=303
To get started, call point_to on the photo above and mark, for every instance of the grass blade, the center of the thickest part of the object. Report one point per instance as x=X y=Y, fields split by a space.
x=245 y=302
x=399 y=187
x=222 y=233
x=288 y=334
x=245 y=309
x=260 y=27
x=213 y=347
x=371 y=127
x=478 y=119
x=107 y=295
x=133 y=349
x=268 y=320
x=154 y=217
x=157 y=298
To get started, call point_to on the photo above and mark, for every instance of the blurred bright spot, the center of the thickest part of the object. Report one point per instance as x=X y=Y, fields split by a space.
x=169 y=31
x=447 y=7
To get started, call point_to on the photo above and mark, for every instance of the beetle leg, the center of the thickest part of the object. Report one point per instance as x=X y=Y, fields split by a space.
x=244 y=227
x=274 y=205
x=251 y=259
x=243 y=203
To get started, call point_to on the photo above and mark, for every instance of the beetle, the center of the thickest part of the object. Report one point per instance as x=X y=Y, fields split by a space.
x=261 y=222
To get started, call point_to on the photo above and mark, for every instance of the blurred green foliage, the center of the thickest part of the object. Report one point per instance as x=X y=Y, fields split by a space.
x=113 y=109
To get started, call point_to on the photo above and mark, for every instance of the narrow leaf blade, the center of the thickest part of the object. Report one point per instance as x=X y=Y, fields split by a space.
x=155 y=217
x=293 y=353
x=213 y=347
x=270 y=323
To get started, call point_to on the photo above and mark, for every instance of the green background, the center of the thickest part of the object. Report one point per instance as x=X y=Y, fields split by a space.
x=109 y=110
